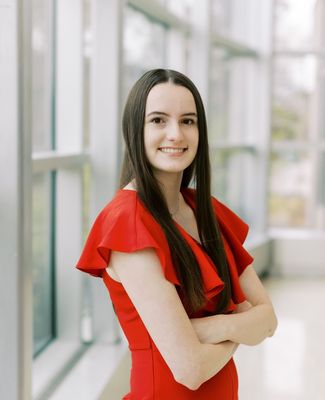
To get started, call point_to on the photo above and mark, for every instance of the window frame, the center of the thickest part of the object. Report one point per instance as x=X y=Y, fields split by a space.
x=314 y=144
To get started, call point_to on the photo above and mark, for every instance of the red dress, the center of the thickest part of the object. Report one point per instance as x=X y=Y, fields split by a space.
x=125 y=225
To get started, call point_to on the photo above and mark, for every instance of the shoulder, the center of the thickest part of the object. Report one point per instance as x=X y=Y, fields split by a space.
x=124 y=209
x=123 y=225
x=125 y=218
x=123 y=202
x=228 y=220
x=128 y=227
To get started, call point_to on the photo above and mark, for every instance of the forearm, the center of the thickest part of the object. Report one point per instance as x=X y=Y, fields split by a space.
x=253 y=326
x=213 y=357
x=249 y=327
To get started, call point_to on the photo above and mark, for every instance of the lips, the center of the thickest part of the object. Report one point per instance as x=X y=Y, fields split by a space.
x=173 y=150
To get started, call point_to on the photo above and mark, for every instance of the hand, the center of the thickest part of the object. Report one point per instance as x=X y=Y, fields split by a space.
x=205 y=332
x=242 y=307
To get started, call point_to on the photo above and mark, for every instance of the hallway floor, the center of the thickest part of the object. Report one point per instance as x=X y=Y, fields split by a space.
x=291 y=364
x=288 y=366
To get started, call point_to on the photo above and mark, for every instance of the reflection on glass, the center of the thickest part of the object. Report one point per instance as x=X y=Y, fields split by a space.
x=294 y=24
x=43 y=328
x=42 y=60
x=144 y=45
x=293 y=97
x=290 y=198
x=234 y=182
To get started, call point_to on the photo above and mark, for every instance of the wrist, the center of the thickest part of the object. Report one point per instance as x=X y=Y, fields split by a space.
x=225 y=326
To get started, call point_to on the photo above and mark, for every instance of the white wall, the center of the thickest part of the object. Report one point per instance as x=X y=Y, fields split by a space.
x=298 y=253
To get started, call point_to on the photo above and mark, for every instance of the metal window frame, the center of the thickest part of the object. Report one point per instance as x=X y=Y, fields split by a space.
x=56 y=160
x=15 y=227
x=160 y=13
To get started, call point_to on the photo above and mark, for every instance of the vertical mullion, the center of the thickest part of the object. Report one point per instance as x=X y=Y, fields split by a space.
x=24 y=165
x=53 y=76
x=53 y=253
x=53 y=175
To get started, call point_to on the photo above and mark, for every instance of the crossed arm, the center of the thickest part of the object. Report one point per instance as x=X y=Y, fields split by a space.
x=194 y=350
x=253 y=321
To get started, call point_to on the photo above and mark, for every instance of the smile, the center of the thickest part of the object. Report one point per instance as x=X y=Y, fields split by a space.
x=172 y=149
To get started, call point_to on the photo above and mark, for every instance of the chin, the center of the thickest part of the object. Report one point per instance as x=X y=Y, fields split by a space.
x=171 y=170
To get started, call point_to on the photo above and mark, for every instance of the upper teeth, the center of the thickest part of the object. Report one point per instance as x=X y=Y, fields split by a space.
x=171 y=150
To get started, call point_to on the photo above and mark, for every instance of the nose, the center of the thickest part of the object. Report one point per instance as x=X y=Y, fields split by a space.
x=174 y=132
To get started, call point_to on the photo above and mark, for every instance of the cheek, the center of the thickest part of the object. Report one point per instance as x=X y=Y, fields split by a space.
x=149 y=142
x=146 y=138
x=151 y=139
x=196 y=139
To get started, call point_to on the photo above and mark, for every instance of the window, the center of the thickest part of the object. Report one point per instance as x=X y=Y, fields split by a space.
x=43 y=260
x=294 y=24
x=234 y=174
x=43 y=183
x=144 y=46
x=61 y=179
x=42 y=70
x=291 y=188
x=238 y=109
x=297 y=117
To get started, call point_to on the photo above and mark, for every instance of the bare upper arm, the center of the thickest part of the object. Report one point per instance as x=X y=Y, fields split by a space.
x=159 y=307
x=253 y=288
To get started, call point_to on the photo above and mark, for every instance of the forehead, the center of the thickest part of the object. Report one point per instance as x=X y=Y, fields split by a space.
x=169 y=97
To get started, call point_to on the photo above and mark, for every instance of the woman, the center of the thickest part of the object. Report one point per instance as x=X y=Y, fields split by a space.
x=172 y=259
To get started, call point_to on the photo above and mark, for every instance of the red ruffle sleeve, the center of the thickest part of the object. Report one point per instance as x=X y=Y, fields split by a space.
x=124 y=225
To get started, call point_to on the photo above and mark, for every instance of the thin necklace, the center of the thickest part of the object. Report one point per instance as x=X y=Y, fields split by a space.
x=177 y=209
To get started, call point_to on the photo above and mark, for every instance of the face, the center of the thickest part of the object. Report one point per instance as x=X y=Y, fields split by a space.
x=171 y=131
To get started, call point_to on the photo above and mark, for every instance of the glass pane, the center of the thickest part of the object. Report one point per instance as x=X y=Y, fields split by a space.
x=162 y=2
x=87 y=54
x=321 y=182
x=144 y=46
x=320 y=99
x=86 y=190
x=295 y=23
x=290 y=198
x=236 y=20
x=181 y=8
x=42 y=271
x=221 y=16
x=219 y=96
x=42 y=37
x=320 y=207
x=232 y=98
x=293 y=97
x=234 y=181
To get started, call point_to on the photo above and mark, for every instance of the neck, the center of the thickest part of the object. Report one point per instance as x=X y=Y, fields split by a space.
x=171 y=190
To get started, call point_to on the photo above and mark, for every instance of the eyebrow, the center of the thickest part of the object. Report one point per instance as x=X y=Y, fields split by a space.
x=189 y=114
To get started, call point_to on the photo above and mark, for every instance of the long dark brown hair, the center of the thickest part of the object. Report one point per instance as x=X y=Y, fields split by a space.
x=136 y=166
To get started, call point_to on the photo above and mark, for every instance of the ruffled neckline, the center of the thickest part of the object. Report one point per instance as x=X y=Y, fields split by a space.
x=212 y=282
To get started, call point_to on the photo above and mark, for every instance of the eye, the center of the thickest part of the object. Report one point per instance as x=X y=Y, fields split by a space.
x=188 y=121
x=157 y=120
